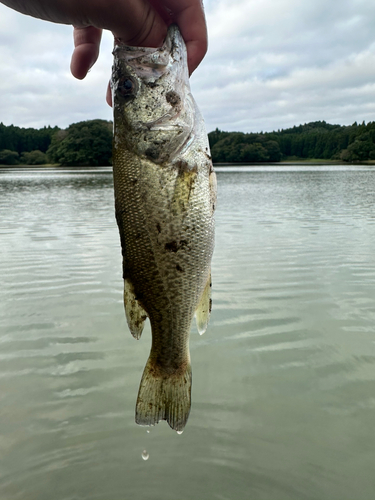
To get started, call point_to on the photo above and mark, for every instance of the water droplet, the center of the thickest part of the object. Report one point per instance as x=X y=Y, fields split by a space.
x=148 y=432
x=180 y=432
x=145 y=455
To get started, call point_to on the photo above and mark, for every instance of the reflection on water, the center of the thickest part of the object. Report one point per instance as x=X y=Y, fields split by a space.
x=283 y=391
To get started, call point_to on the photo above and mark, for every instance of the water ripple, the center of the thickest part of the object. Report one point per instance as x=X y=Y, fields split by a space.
x=283 y=392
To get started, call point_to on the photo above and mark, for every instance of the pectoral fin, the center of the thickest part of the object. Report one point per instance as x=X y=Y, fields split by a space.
x=135 y=314
x=202 y=314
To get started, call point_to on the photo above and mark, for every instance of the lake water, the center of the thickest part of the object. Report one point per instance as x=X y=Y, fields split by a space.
x=283 y=379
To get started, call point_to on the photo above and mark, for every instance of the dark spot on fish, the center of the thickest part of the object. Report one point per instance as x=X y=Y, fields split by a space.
x=140 y=321
x=152 y=153
x=173 y=98
x=151 y=84
x=158 y=227
x=210 y=306
x=138 y=297
x=134 y=181
x=179 y=268
x=173 y=246
x=182 y=166
x=157 y=152
x=137 y=236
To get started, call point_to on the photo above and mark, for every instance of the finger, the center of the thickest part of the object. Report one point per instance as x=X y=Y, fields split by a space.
x=86 y=51
x=108 y=96
x=190 y=18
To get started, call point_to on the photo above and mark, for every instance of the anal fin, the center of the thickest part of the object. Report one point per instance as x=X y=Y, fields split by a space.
x=203 y=311
x=135 y=314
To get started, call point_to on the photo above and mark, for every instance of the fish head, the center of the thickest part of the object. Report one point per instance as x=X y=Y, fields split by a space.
x=152 y=103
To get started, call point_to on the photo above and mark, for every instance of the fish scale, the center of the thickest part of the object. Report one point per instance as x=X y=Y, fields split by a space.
x=165 y=194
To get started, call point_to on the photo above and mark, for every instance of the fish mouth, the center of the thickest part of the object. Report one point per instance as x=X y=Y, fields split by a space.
x=152 y=62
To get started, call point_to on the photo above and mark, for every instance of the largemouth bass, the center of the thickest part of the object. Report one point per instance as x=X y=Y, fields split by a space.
x=165 y=195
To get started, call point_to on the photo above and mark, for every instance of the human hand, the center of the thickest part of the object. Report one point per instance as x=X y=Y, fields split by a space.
x=134 y=22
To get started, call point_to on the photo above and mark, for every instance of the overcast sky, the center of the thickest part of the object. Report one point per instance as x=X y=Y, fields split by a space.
x=271 y=64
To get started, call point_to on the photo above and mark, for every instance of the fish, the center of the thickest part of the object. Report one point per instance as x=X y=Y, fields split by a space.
x=165 y=197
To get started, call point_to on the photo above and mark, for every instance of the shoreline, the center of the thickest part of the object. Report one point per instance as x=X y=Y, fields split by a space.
x=285 y=163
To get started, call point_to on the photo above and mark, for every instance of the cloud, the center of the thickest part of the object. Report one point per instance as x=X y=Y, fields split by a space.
x=270 y=65
x=36 y=86
x=276 y=64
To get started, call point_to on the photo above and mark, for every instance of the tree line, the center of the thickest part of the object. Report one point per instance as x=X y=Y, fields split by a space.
x=83 y=143
x=90 y=143
x=315 y=140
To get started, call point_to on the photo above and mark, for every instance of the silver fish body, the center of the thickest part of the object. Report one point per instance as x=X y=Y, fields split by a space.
x=165 y=196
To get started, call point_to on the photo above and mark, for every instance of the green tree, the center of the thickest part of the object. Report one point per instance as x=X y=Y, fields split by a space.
x=253 y=153
x=8 y=157
x=83 y=143
x=361 y=149
x=273 y=151
x=34 y=158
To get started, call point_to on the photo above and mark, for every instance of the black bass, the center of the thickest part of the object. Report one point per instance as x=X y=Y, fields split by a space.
x=165 y=195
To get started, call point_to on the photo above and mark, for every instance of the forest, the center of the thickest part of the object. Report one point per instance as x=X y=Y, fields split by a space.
x=312 y=141
x=89 y=143
x=83 y=143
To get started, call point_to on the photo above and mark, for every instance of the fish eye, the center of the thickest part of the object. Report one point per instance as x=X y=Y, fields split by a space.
x=126 y=87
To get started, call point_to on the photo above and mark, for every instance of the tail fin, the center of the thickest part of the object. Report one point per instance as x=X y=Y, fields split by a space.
x=164 y=396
